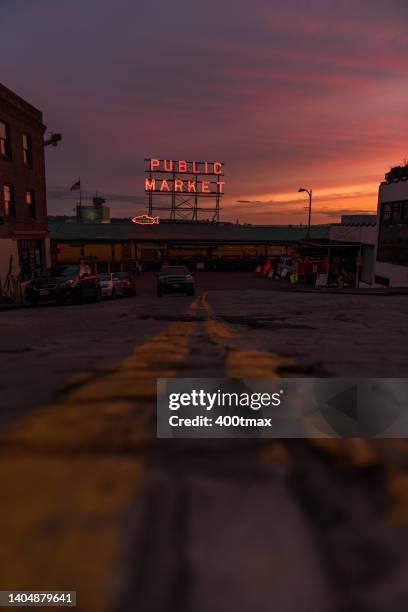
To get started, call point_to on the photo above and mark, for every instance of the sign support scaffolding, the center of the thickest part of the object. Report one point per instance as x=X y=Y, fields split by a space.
x=192 y=194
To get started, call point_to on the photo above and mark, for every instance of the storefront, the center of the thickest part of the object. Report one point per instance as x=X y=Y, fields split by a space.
x=352 y=251
x=31 y=257
x=118 y=246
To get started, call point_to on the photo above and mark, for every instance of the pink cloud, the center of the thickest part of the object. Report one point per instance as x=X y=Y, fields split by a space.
x=282 y=94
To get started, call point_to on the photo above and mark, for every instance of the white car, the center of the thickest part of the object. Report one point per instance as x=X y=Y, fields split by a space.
x=111 y=285
x=285 y=267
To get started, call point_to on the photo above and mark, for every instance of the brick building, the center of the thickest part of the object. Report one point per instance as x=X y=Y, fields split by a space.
x=23 y=211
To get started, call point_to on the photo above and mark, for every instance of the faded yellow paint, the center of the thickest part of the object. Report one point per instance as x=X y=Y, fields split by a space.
x=275 y=453
x=353 y=452
x=61 y=522
x=397 y=485
x=68 y=477
x=254 y=364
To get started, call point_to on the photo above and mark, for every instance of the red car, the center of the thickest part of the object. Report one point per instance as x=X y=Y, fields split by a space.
x=129 y=280
x=71 y=283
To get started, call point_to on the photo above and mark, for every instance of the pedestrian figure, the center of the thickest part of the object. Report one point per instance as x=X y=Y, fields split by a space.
x=294 y=279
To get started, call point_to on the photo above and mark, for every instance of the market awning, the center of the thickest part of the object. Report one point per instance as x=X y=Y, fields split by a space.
x=29 y=234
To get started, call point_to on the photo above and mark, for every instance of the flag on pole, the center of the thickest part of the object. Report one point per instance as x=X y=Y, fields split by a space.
x=76 y=186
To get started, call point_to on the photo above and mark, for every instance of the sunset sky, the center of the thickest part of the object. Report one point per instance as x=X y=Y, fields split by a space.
x=287 y=94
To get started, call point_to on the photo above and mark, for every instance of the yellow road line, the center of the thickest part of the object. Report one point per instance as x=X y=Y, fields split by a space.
x=66 y=484
x=109 y=408
x=246 y=364
x=255 y=364
x=351 y=454
x=62 y=522
x=356 y=453
x=216 y=329
x=242 y=363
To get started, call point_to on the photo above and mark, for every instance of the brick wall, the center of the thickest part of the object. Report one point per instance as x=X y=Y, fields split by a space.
x=23 y=118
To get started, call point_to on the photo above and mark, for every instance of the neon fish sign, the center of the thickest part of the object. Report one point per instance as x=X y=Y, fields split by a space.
x=146 y=220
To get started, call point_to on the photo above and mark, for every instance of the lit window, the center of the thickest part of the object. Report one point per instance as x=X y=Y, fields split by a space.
x=30 y=203
x=5 y=141
x=8 y=196
x=27 y=150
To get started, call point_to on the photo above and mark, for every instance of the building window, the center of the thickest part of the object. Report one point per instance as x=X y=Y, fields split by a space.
x=30 y=202
x=9 y=204
x=393 y=234
x=386 y=212
x=396 y=211
x=27 y=150
x=5 y=140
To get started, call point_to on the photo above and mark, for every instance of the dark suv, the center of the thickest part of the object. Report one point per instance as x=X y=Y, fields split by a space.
x=67 y=283
x=175 y=279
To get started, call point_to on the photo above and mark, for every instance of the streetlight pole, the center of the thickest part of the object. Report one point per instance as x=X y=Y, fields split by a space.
x=309 y=193
x=53 y=139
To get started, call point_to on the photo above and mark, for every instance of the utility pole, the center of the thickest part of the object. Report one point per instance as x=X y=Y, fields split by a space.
x=309 y=193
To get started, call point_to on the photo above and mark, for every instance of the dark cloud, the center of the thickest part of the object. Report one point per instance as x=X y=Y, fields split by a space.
x=250 y=202
x=335 y=214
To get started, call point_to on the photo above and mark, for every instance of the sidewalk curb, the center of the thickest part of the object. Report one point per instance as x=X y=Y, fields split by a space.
x=8 y=307
x=355 y=291
x=333 y=290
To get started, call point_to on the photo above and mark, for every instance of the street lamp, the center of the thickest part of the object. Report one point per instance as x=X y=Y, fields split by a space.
x=309 y=193
x=53 y=139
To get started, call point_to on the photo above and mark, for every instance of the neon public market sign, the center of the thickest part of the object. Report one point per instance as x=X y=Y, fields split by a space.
x=201 y=177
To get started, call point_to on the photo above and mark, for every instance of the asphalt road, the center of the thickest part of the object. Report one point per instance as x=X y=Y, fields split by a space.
x=42 y=348
x=351 y=335
x=96 y=503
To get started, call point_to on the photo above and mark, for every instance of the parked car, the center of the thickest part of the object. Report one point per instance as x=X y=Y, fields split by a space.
x=111 y=285
x=129 y=281
x=66 y=283
x=175 y=279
